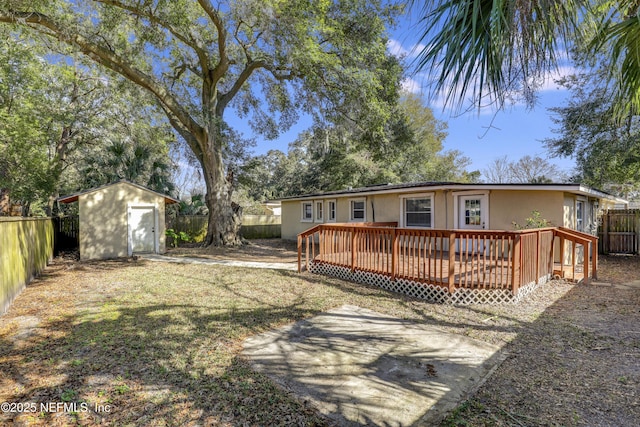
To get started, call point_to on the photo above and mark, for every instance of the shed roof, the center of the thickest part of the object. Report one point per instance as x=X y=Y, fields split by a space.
x=74 y=197
x=457 y=186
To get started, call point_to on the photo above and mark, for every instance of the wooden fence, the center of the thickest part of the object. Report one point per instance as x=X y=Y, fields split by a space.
x=451 y=259
x=253 y=226
x=66 y=233
x=619 y=231
x=26 y=246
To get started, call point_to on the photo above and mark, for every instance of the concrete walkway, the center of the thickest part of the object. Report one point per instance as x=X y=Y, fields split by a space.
x=359 y=367
x=231 y=263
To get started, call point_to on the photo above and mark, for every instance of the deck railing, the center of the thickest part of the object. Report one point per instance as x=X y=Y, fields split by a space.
x=451 y=259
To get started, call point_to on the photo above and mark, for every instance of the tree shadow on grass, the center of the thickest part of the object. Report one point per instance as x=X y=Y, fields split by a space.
x=151 y=365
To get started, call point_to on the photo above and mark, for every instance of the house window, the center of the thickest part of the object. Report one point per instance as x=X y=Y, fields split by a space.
x=319 y=211
x=417 y=212
x=358 y=213
x=331 y=211
x=580 y=215
x=307 y=211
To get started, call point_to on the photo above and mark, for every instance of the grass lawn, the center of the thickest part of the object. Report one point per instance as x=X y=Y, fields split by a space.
x=141 y=343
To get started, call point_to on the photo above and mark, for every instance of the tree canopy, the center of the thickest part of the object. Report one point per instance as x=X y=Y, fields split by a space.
x=606 y=150
x=269 y=59
x=335 y=158
x=59 y=119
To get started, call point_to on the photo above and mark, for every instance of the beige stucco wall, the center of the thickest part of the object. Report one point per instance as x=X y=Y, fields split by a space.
x=505 y=207
x=103 y=220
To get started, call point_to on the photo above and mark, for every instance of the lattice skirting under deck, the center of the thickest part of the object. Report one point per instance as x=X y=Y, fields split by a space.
x=426 y=291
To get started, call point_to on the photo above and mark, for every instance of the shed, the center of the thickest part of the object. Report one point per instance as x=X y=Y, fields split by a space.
x=120 y=219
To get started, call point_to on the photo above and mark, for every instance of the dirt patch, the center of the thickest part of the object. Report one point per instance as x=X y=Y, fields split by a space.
x=578 y=364
x=258 y=250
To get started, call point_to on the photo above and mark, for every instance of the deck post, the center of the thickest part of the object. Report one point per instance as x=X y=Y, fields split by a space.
x=594 y=259
x=515 y=264
x=585 y=262
x=452 y=262
x=310 y=237
x=353 y=249
x=561 y=256
x=394 y=254
x=299 y=253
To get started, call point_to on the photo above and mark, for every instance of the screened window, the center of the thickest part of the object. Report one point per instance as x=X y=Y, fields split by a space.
x=319 y=211
x=417 y=212
x=331 y=210
x=580 y=216
x=307 y=211
x=357 y=210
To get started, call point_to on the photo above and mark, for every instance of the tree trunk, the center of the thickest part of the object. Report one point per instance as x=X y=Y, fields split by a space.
x=225 y=217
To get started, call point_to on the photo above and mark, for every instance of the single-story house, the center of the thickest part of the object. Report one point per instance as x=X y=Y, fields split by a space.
x=449 y=205
x=120 y=219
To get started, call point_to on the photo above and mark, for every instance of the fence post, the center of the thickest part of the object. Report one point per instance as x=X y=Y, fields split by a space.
x=452 y=262
x=515 y=265
x=538 y=246
x=605 y=232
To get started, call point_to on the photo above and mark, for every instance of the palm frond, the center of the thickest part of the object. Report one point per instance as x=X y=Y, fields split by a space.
x=490 y=48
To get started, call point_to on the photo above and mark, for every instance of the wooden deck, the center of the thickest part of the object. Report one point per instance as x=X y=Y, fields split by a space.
x=486 y=259
x=494 y=275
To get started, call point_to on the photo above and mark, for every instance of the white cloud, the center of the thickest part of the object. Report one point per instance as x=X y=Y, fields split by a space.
x=396 y=49
x=549 y=80
x=410 y=85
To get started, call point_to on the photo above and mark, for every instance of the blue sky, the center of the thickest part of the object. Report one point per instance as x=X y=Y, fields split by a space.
x=515 y=131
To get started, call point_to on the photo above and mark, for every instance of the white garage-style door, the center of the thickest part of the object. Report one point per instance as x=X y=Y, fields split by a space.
x=142 y=229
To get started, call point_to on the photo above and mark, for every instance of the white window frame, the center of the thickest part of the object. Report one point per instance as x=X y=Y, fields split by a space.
x=335 y=210
x=584 y=207
x=403 y=213
x=302 y=212
x=318 y=211
x=364 y=209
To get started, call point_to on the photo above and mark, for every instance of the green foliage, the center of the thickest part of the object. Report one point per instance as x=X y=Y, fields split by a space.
x=607 y=150
x=59 y=127
x=337 y=157
x=534 y=221
x=177 y=237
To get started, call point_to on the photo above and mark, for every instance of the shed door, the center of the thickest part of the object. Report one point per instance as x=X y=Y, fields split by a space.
x=142 y=228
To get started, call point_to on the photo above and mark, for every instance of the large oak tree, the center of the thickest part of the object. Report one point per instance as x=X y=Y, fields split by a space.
x=266 y=58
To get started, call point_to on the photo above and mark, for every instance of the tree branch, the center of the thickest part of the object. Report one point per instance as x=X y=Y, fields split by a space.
x=223 y=62
x=108 y=59
x=190 y=41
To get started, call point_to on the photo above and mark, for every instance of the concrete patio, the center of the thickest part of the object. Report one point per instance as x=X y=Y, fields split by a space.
x=359 y=367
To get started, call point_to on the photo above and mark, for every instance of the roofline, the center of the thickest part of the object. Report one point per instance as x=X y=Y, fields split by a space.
x=74 y=197
x=455 y=186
